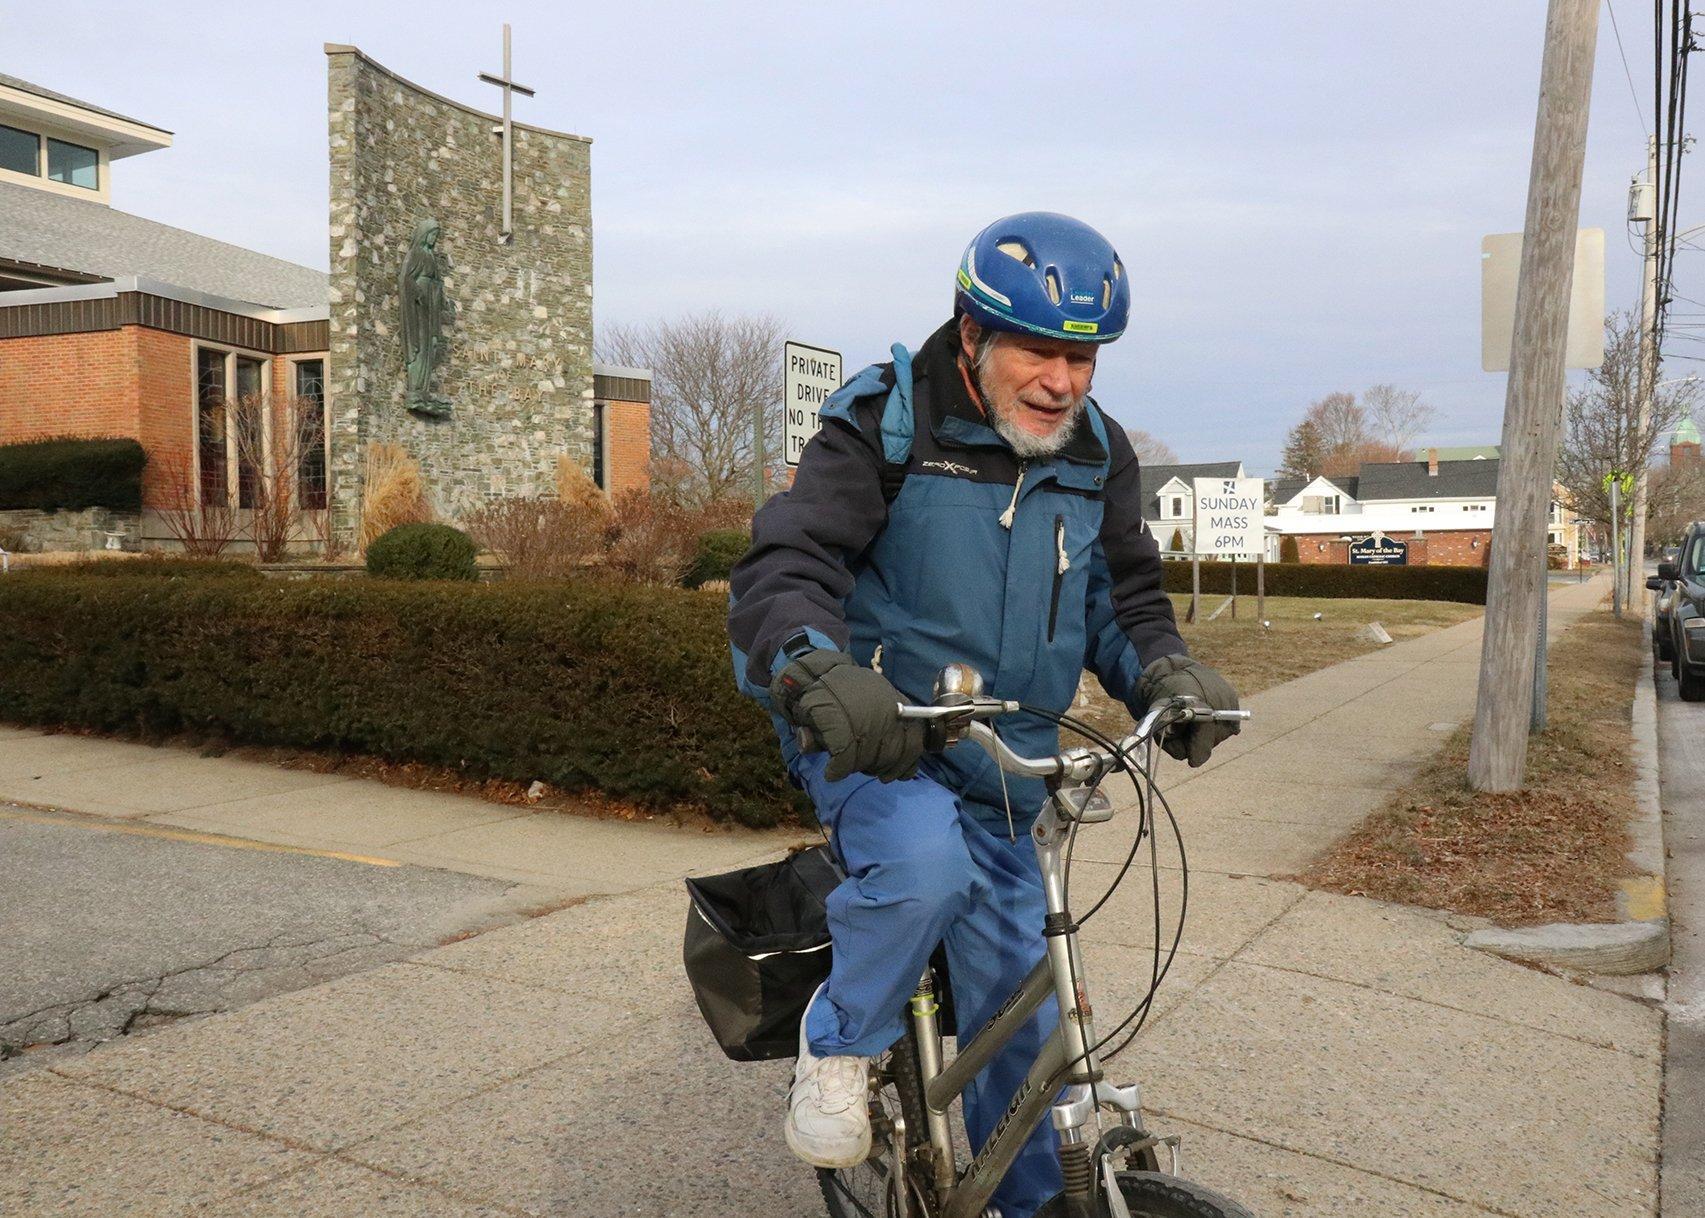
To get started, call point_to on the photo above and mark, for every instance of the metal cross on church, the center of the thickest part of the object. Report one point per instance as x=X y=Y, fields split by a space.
x=507 y=131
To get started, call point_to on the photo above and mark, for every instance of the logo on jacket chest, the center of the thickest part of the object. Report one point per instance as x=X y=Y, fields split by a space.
x=948 y=467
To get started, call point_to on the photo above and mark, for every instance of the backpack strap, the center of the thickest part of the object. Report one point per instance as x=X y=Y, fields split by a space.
x=898 y=415
x=898 y=422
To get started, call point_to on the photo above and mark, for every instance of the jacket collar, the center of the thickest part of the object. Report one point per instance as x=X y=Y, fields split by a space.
x=955 y=419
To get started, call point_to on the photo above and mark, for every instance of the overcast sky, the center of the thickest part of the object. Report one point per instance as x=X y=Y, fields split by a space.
x=1298 y=189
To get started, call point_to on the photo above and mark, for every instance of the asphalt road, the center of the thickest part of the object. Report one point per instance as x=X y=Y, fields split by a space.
x=1681 y=748
x=112 y=928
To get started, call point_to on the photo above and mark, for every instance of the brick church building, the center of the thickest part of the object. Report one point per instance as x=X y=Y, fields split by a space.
x=113 y=325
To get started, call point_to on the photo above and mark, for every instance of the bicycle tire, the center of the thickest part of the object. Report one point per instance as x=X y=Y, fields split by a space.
x=1157 y=1195
x=859 y=1192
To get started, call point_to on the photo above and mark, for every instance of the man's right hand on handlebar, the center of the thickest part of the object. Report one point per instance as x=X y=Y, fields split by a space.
x=854 y=713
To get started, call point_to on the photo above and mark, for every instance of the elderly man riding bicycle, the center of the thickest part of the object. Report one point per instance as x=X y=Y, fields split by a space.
x=966 y=502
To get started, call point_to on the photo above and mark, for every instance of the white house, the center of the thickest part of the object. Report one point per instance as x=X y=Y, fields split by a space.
x=1169 y=500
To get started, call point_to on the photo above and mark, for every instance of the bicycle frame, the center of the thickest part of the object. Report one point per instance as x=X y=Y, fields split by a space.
x=1067 y=1059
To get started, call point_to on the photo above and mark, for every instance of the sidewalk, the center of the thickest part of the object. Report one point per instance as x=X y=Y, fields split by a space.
x=1323 y=1055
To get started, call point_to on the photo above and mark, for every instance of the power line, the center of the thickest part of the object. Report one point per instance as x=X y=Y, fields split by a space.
x=1632 y=92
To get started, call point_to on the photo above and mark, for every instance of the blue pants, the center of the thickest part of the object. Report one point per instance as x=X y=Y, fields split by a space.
x=922 y=870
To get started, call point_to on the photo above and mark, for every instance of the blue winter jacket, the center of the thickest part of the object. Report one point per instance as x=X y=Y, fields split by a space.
x=913 y=536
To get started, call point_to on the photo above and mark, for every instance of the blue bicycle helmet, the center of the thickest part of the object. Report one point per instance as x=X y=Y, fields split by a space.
x=1039 y=272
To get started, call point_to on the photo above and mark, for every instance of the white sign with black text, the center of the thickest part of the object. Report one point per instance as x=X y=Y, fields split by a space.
x=809 y=375
x=1230 y=521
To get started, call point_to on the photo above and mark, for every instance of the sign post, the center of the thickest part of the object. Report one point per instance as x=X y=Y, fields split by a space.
x=1230 y=523
x=809 y=374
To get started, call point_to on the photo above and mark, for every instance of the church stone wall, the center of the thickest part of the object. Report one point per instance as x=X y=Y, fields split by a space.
x=518 y=368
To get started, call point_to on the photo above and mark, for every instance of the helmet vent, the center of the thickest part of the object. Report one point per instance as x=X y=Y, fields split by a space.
x=1016 y=250
x=1106 y=291
x=1053 y=278
x=1118 y=269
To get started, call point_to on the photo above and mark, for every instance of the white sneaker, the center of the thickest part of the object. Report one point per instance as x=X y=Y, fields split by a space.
x=828 y=1109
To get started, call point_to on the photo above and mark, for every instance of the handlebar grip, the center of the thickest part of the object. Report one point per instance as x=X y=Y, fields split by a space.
x=807 y=740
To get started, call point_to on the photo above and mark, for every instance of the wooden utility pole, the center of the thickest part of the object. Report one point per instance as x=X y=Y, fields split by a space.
x=1497 y=757
x=1647 y=383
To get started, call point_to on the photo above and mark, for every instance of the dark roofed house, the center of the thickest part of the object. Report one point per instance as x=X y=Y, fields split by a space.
x=1169 y=498
x=1442 y=510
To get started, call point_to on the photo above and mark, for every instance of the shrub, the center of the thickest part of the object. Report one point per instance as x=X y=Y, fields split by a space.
x=582 y=685
x=541 y=538
x=52 y=474
x=391 y=492
x=719 y=550
x=1464 y=584
x=1176 y=545
x=156 y=566
x=649 y=541
x=1288 y=549
x=423 y=551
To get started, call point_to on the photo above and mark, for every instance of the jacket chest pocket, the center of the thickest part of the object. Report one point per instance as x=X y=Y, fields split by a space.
x=1072 y=537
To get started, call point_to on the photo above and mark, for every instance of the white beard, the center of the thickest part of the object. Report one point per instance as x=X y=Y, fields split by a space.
x=1027 y=444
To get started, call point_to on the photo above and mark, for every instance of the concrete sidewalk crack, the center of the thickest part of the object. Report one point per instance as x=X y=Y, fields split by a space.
x=1355 y=1167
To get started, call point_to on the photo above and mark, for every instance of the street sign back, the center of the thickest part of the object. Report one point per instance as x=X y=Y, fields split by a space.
x=809 y=374
x=1500 y=268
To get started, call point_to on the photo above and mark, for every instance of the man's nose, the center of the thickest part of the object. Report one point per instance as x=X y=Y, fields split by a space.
x=1056 y=376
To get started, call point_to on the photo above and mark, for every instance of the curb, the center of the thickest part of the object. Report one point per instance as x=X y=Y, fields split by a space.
x=1640 y=942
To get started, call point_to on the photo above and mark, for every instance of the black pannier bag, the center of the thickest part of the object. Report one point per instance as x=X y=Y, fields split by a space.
x=757 y=948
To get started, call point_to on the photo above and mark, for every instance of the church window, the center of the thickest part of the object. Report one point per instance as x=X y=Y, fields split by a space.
x=1177 y=505
x=210 y=423
x=72 y=164
x=20 y=151
x=600 y=474
x=250 y=427
x=311 y=434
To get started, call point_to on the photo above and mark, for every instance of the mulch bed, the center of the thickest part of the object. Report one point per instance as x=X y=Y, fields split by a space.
x=1551 y=852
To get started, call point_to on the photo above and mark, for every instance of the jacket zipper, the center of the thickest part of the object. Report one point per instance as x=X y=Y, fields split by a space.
x=1062 y=564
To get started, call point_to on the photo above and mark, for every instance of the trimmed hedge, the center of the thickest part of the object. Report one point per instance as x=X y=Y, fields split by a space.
x=1464 y=584
x=718 y=551
x=585 y=686
x=153 y=566
x=423 y=551
x=50 y=475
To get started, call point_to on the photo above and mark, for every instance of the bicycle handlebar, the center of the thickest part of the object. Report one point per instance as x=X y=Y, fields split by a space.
x=1083 y=764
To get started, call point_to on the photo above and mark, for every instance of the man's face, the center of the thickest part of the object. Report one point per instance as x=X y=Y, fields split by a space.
x=1034 y=386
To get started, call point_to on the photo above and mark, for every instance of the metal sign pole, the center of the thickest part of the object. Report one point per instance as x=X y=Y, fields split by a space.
x=1234 y=587
x=1615 y=544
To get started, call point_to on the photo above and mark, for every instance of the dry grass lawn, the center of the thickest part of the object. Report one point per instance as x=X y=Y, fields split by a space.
x=1551 y=852
x=1253 y=658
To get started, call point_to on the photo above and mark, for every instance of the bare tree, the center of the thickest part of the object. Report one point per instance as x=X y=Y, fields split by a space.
x=711 y=375
x=1601 y=424
x=1341 y=423
x=204 y=524
x=278 y=481
x=1395 y=417
x=1675 y=500
x=1151 y=449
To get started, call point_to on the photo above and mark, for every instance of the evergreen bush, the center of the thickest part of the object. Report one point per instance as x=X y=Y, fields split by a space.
x=72 y=474
x=423 y=551
x=1288 y=549
x=1464 y=584
x=718 y=551
x=583 y=685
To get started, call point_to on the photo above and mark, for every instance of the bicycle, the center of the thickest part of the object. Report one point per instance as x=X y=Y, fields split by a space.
x=1111 y=1169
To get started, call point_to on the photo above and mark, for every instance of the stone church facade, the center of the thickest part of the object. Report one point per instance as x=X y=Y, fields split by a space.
x=115 y=325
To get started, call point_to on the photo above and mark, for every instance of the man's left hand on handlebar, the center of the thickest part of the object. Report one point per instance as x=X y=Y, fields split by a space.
x=1181 y=676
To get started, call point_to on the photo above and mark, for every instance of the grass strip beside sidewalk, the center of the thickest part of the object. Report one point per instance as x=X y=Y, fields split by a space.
x=1551 y=852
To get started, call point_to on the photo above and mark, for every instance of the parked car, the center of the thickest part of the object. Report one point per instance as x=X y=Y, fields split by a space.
x=1682 y=582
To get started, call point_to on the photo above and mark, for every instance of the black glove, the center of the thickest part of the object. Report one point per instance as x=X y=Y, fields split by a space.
x=1171 y=676
x=854 y=712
